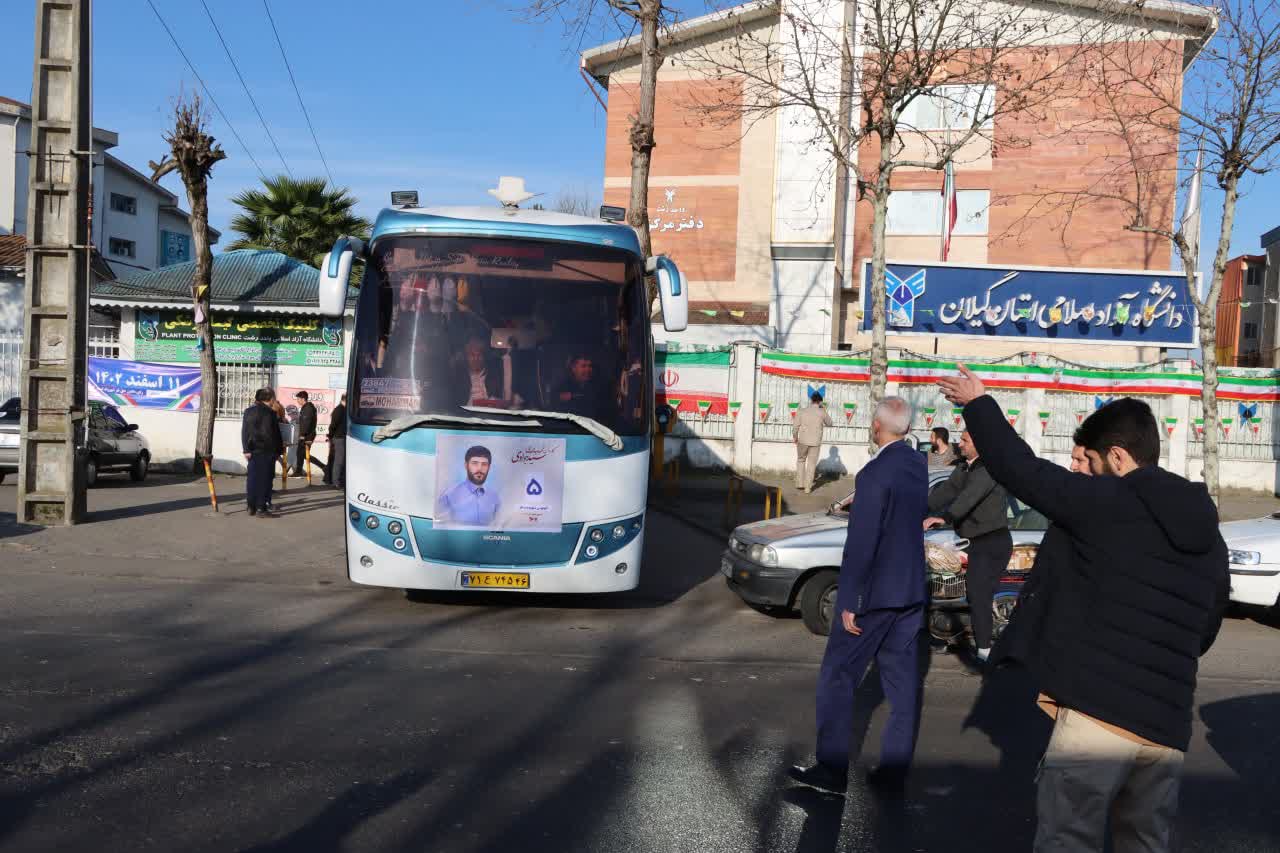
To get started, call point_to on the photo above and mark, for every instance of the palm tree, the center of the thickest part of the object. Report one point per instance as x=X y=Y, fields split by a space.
x=298 y=218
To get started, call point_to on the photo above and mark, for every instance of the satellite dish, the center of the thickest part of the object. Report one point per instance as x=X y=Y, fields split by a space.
x=510 y=191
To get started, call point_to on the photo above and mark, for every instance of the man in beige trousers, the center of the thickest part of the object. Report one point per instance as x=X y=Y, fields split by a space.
x=807 y=434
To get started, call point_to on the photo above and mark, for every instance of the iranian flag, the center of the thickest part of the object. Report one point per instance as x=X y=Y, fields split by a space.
x=696 y=375
x=1199 y=422
x=734 y=407
x=793 y=408
x=1226 y=427
x=1044 y=421
x=850 y=409
x=1012 y=416
x=704 y=407
x=929 y=413
x=1170 y=424
x=958 y=416
x=764 y=408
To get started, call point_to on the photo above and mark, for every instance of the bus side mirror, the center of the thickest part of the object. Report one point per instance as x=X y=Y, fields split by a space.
x=335 y=275
x=673 y=292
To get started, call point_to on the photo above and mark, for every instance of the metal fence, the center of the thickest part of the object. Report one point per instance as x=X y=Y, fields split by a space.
x=846 y=401
x=1068 y=410
x=691 y=423
x=237 y=383
x=1249 y=434
x=10 y=362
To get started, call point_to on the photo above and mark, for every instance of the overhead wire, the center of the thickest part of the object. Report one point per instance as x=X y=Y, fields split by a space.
x=245 y=85
x=296 y=90
x=208 y=93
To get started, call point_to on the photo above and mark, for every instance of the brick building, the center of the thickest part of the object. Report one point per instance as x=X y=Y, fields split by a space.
x=747 y=206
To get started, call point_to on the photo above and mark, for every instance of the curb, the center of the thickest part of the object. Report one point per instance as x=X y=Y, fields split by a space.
x=701 y=527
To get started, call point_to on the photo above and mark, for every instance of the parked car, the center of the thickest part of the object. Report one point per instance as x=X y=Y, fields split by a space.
x=792 y=563
x=9 y=426
x=111 y=443
x=1254 y=560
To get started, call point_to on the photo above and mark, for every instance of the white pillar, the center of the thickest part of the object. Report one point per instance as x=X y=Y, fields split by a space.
x=1180 y=407
x=1032 y=403
x=743 y=391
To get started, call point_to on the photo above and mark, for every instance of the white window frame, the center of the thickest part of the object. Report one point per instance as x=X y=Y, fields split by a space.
x=972 y=218
x=104 y=334
x=945 y=102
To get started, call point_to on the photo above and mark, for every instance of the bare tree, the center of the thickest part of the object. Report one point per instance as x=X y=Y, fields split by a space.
x=587 y=16
x=1224 y=115
x=193 y=153
x=865 y=74
x=576 y=200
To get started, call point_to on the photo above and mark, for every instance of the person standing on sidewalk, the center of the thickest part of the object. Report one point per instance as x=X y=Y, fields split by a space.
x=335 y=473
x=807 y=434
x=260 y=441
x=976 y=507
x=1135 y=600
x=307 y=419
x=879 y=609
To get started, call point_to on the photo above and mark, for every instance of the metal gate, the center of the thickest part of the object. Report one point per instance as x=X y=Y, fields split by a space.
x=778 y=396
x=10 y=362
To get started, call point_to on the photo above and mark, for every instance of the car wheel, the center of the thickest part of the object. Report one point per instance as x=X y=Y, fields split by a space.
x=818 y=601
x=91 y=472
x=138 y=472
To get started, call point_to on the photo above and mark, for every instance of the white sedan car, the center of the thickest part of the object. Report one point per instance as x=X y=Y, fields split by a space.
x=1255 y=560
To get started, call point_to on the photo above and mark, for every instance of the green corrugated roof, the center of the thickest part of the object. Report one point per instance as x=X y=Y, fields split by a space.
x=243 y=276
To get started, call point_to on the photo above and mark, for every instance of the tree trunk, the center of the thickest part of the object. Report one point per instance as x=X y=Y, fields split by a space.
x=1208 y=321
x=642 y=127
x=201 y=291
x=876 y=299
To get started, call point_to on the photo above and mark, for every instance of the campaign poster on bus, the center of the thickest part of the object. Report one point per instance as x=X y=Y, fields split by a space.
x=499 y=482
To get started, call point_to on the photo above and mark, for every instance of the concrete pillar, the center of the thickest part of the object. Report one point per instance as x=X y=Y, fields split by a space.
x=743 y=390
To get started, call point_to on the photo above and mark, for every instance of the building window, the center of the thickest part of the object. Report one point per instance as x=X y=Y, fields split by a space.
x=919 y=213
x=124 y=204
x=1253 y=275
x=237 y=383
x=1250 y=331
x=122 y=248
x=104 y=334
x=949 y=108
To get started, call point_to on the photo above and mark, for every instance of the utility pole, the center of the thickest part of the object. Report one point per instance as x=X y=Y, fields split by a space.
x=51 y=487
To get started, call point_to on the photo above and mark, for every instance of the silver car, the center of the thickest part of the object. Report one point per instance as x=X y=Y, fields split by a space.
x=792 y=563
x=112 y=443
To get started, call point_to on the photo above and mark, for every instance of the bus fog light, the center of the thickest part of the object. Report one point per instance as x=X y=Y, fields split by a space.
x=621 y=568
x=366 y=561
x=371 y=522
x=394 y=528
x=355 y=516
x=597 y=535
x=592 y=552
x=619 y=531
x=399 y=543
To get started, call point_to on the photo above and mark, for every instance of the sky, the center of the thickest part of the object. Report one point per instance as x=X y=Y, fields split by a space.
x=441 y=96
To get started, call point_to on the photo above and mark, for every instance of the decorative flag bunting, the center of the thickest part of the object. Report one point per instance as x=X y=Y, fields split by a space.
x=1012 y=416
x=1256 y=424
x=958 y=416
x=1235 y=384
x=734 y=407
x=1170 y=424
x=1199 y=422
x=849 y=410
x=764 y=411
x=674 y=403
x=1226 y=427
x=793 y=408
x=1044 y=421
x=704 y=407
x=1080 y=416
x=929 y=412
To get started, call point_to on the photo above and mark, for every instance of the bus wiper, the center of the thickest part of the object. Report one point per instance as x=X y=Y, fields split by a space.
x=591 y=425
x=408 y=422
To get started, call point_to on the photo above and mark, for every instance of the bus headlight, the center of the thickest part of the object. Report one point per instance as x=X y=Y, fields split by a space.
x=763 y=554
x=619 y=531
x=399 y=543
x=592 y=552
x=371 y=522
x=597 y=535
x=394 y=528
x=355 y=516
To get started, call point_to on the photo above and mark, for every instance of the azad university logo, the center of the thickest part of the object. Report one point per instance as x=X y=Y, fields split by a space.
x=902 y=295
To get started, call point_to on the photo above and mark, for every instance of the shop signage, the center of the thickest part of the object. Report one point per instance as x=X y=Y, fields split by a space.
x=169 y=336
x=1140 y=308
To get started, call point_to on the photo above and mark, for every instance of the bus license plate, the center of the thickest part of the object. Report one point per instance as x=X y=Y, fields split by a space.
x=494 y=580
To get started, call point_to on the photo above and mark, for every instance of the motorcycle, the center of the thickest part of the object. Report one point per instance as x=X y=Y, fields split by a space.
x=948 y=609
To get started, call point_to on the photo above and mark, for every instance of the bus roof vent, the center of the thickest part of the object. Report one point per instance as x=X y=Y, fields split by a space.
x=511 y=192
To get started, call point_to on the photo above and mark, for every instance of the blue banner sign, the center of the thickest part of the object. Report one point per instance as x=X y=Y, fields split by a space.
x=1140 y=308
x=151 y=386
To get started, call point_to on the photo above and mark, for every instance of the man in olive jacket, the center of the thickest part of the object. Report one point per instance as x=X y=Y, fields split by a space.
x=1138 y=587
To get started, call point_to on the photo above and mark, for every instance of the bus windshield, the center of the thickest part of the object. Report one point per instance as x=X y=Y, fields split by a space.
x=449 y=322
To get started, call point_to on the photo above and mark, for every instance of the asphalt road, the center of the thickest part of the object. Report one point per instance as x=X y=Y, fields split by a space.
x=173 y=681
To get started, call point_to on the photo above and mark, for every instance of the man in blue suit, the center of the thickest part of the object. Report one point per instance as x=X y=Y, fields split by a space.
x=879 y=611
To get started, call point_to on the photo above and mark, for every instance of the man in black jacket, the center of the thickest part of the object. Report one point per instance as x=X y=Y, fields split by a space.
x=261 y=443
x=976 y=507
x=1139 y=587
x=335 y=473
x=307 y=419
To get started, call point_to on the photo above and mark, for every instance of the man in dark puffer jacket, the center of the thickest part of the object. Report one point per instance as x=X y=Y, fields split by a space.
x=1139 y=587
